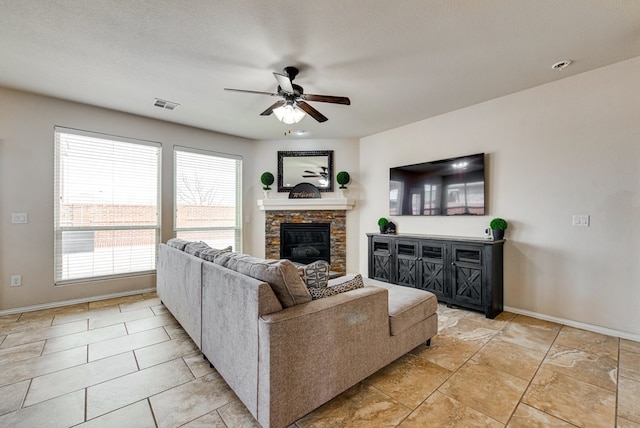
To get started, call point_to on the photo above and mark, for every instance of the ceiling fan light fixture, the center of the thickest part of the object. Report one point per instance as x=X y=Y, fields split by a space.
x=289 y=114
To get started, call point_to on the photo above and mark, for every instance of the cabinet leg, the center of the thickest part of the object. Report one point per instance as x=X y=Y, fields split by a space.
x=429 y=342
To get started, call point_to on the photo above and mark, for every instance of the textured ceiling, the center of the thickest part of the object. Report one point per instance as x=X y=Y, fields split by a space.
x=398 y=61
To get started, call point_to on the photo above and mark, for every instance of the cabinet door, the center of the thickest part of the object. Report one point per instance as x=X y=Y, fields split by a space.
x=432 y=269
x=406 y=263
x=466 y=271
x=381 y=265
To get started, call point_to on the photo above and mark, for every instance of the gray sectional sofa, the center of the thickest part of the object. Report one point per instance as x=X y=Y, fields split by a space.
x=282 y=353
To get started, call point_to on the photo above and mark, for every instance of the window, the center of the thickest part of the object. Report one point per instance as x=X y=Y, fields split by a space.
x=107 y=199
x=207 y=197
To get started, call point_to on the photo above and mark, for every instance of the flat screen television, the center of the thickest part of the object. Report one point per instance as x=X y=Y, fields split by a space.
x=444 y=187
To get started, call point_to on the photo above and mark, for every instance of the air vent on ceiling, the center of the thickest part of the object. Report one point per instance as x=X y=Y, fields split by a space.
x=165 y=104
x=561 y=65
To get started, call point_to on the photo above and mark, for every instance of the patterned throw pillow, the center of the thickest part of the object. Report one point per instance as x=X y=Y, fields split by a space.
x=352 y=284
x=316 y=274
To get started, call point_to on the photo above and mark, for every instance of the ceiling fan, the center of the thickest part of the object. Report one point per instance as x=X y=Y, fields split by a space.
x=293 y=105
x=313 y=174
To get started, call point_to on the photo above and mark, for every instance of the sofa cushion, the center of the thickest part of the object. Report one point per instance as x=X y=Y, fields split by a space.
x=407 y=306
x=282 y=276
x=195 y=247
x=204 y=251
x=210 y=254
x=351 y=284
x=177 y=243
x=231 y=261
x=316 y=274
x=225 y=258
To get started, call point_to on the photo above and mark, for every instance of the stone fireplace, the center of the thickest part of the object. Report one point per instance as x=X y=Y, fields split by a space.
x=337 y=232
x=327 y=211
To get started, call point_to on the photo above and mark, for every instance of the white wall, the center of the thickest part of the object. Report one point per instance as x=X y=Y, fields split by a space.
x=569 y=147
x=26 y=185
x=345 y=158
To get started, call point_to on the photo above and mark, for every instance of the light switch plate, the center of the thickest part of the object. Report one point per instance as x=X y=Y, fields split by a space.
x=581 y=220
x=19 y=218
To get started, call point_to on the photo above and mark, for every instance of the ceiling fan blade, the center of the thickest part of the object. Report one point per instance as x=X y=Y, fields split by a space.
x=252 y=92
x=311 y=111
x=326 y=99
x=274 y=106
x=284 y=82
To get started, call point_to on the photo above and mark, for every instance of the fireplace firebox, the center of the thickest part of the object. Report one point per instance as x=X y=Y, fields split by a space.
x=305 y=242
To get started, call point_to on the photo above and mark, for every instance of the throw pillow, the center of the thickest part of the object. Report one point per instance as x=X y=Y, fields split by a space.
x=316 y=274
x=282 y=276
x=352 y=284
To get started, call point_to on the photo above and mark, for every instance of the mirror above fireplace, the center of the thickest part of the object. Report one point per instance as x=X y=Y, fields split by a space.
x=315 y=167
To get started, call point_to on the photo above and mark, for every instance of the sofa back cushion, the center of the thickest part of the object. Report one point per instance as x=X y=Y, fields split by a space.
x=177 y=243
x=202 y=250
x=282 y=276
x=209 y=254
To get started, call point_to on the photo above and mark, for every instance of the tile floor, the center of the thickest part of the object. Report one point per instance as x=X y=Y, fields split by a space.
x=126 y=362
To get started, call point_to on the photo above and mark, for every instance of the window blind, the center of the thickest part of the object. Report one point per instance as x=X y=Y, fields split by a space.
x=107 y=199
x=207 y=197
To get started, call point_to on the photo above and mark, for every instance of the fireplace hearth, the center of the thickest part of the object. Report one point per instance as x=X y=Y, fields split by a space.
x=305 y=242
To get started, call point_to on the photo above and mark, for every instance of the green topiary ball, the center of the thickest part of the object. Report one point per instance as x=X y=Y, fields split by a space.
x=267 y=180
x=498 y=224
x=343 y=178
x=382 y=222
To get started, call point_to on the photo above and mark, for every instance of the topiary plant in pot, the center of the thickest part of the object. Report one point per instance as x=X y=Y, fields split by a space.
x=267 y=180
x=498 y=226
x=343 y=178
x=382 y=223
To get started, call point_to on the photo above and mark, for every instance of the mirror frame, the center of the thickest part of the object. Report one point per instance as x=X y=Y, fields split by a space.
x=308 y=153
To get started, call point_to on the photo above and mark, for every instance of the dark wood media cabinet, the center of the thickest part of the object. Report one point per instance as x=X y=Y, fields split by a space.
x=465 y=272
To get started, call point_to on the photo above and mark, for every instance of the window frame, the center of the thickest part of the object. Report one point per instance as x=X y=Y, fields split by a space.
x=59 y=229
x=238 y=229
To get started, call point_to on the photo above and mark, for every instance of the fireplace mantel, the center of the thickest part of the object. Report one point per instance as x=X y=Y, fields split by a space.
x=306 y=204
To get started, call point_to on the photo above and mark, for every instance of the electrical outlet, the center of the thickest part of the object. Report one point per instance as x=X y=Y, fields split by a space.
x=19 y=218
x=581 y=220
x=16 y=280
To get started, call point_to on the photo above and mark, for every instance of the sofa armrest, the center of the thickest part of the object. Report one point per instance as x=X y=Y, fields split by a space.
x=179 y=283
x=312 y=352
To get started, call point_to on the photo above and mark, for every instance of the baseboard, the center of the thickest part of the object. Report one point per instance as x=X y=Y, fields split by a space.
x=73 y=302
x=576 y=324
x=570 y=323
